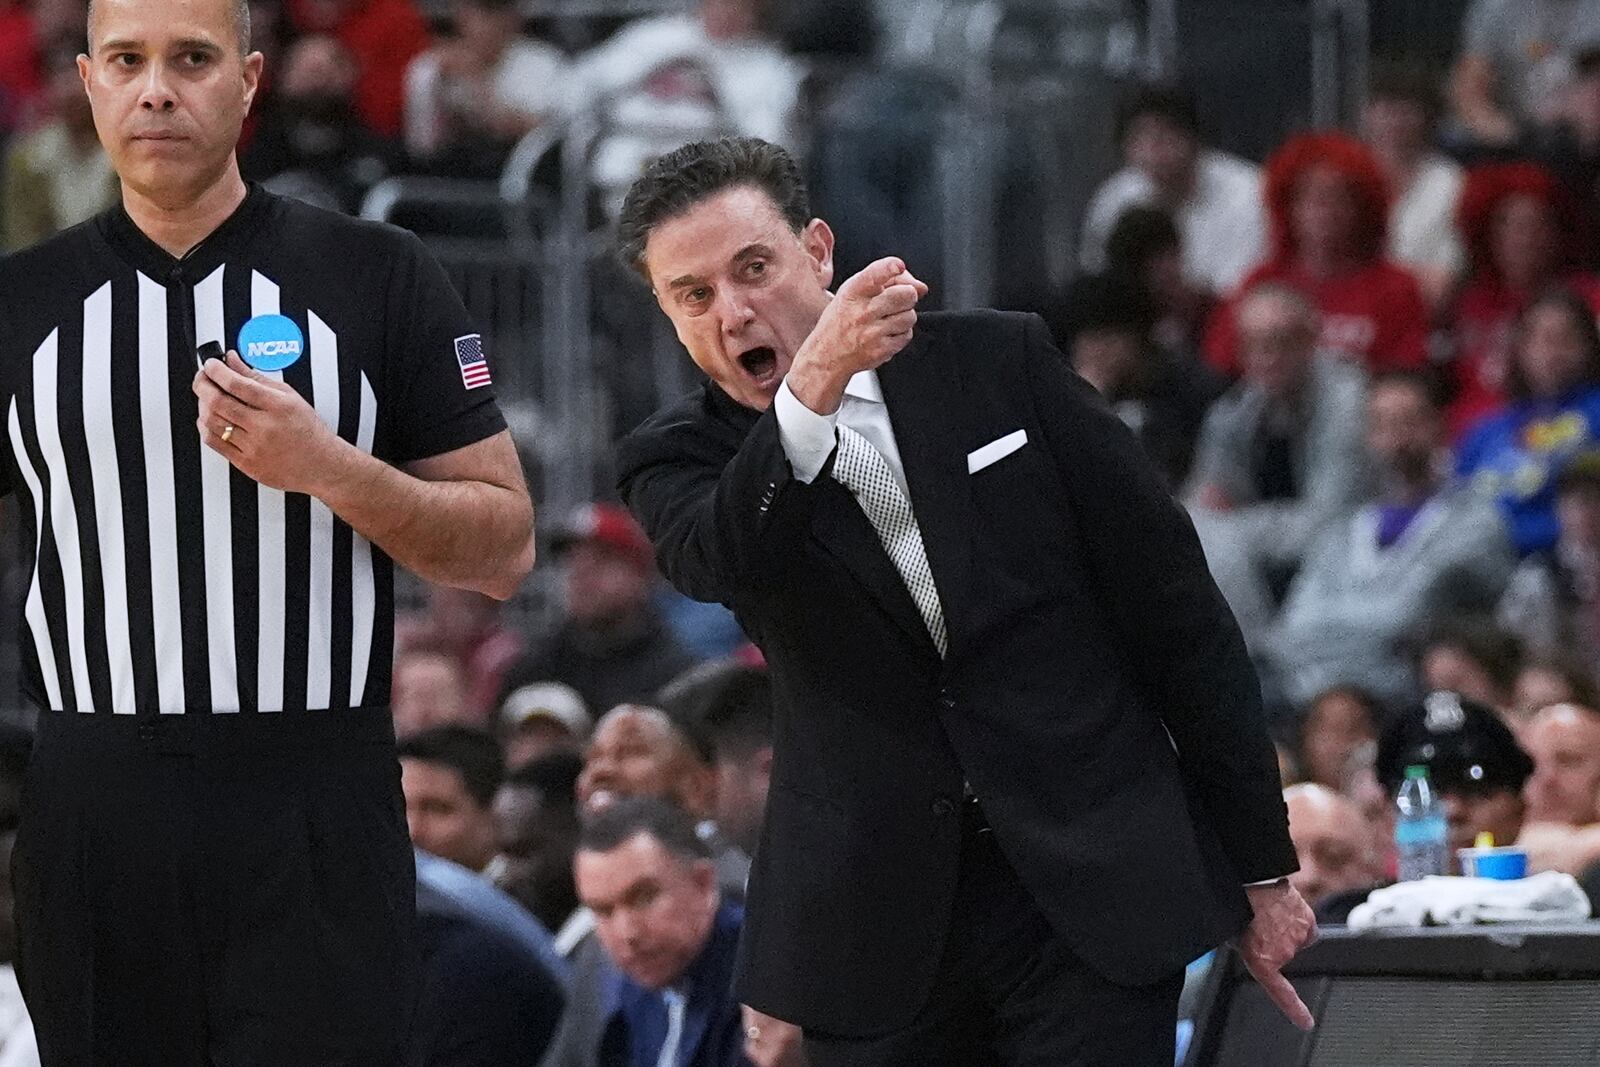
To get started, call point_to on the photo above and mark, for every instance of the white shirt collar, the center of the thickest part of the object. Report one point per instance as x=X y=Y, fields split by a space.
x=863 y=385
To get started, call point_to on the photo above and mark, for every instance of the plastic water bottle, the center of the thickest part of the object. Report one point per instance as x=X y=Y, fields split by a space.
x=1421 y=835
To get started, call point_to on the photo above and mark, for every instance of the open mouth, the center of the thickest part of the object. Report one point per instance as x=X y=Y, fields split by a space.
x=761 y=364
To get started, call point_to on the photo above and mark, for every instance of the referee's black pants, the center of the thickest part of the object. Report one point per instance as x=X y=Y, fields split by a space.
x=216 y=891
x=1010 y=993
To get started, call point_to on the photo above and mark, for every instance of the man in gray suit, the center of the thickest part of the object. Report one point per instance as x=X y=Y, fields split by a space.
x=1280 y=455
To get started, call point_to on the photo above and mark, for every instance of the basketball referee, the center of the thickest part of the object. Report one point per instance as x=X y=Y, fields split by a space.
x=213 y=866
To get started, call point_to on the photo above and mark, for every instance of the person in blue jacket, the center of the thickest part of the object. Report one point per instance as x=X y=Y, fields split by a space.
x=1554 y=413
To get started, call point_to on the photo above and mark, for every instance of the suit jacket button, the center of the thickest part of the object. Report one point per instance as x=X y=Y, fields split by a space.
x=946 y=701
x=943 y=807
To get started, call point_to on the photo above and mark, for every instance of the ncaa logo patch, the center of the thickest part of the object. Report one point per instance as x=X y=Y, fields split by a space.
x=270 y=342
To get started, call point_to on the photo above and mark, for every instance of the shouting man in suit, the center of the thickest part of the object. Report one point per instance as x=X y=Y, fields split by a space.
x=1020 y=774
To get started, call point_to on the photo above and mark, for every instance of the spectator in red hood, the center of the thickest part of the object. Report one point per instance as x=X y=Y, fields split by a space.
x=383 y=36
x=1329 y=204
x=1524 y=235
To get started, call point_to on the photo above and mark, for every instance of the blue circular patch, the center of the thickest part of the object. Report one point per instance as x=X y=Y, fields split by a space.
x=270 y=342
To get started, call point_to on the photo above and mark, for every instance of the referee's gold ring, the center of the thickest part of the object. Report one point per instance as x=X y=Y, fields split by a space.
x=227 y=432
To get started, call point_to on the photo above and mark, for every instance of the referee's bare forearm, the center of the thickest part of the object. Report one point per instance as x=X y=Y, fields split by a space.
x=462 y=519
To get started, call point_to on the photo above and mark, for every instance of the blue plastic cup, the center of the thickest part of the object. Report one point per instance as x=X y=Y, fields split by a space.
x=1506 y=863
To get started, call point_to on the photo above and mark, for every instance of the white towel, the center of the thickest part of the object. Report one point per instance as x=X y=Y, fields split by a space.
x=1436 y=901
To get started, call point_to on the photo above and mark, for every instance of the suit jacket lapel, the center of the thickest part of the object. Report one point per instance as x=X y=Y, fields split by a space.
x=923 y=390
x=843 y=530
x=845 y=533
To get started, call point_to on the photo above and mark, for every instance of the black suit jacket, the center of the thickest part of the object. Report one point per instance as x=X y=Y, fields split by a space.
x=1097 y=694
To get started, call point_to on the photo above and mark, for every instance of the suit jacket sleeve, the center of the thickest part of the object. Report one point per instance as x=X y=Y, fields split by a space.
x=723 y=511
x=1185 y=647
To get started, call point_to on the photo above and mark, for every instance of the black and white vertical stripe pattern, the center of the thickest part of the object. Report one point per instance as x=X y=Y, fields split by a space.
x=163 y=579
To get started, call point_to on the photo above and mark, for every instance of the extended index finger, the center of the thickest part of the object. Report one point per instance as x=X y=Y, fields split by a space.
x=1282 y=992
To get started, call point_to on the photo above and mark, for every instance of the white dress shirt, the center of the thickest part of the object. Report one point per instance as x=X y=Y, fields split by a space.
x=808 y=438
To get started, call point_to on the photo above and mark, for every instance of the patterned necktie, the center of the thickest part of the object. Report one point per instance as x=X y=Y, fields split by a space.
x=861 y=468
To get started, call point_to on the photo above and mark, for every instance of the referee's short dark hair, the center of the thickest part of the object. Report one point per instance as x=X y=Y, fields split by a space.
x=238 y=9
x=473 y=754
x=684 y=177
x=672 y=827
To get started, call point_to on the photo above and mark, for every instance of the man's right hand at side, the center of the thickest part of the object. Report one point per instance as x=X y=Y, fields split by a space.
x=869 y=320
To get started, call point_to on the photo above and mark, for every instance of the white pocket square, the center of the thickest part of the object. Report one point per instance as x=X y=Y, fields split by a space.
x=995 y=451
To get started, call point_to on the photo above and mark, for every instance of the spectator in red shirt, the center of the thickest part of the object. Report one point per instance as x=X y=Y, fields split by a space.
x=20 y=81
x=1524 y=235
x=384 y=36
x=1329 y=203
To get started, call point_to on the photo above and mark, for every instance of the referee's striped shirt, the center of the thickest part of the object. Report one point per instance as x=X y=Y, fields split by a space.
x=163 y=581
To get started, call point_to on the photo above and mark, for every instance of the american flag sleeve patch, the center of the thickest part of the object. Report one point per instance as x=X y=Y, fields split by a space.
x=474 y=361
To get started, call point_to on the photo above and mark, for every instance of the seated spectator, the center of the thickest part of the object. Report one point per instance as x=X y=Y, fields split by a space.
x=1553 y=602
x=309 y=142
x=1564 y=741
x=542 y=719
x=648 y=878
x=382 y=36
x=20 y=79
x=1516 y=457
x=636 y=753
x=1332 y=843
x=1515 y=62
x=1397 y=124
x=1425 y=549
x=450 y=775
x=429 y=689
x=469 y=99
x=58 y=175
x=536 y=831
x=1563 y=795
x=1470 y=656
x=1103 y=324
x=1473 y=761
x=1329 y=203
x=1475 y=766
x=1280 y=455
x=1556 y=679
x=642 y=752
x=1146 y=250
x=730 y=704
x=1339 y=727
x=489 y=996
x=612 y=647
x=1215 y=198
x=1523 y=234
x=473 y=626
x=664 y=80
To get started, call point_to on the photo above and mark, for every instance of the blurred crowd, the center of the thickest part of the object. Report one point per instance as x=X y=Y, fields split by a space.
x=1369 y=367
